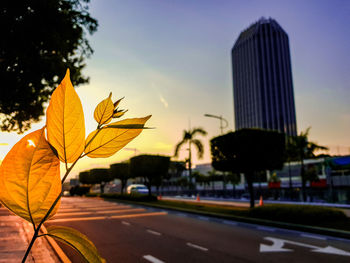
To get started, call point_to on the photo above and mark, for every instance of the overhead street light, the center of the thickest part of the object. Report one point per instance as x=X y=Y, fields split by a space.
x=222 y=120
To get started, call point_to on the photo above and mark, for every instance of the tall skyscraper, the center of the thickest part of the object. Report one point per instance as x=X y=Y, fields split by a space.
x=262 y=79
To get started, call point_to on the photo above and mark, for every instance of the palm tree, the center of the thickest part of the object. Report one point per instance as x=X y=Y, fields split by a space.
x=189 y=137
x=303 y=150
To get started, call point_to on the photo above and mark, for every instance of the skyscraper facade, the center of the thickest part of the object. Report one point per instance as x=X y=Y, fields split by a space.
x=262 y=79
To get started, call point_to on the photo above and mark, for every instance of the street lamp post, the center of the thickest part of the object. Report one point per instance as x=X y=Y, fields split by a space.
x=222 y=120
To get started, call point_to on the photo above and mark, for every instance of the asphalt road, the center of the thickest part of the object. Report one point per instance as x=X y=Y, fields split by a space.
x=134 y=234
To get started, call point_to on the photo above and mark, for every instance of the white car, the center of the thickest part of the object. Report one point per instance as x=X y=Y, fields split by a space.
x=137 y=188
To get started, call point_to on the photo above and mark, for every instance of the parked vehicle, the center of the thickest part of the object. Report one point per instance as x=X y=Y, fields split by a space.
x=137 y=188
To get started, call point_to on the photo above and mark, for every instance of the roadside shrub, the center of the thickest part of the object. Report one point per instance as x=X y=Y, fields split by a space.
x=92 y=194
x=298 y=214
x=79 y=190
x=131 y=197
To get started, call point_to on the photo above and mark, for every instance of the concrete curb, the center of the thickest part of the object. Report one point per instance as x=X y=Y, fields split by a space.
x=55 y=247
x=304 y=228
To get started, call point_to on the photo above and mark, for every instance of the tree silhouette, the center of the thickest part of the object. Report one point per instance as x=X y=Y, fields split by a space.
x=248 y=151
x=153 y=168
x=189 y=137
x=39 y=41
x=121 y=171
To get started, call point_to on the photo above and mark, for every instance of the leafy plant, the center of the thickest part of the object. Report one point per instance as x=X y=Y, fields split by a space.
x=30 y=173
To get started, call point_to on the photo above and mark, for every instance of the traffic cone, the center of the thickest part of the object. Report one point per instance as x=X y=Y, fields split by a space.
x=261 y=202
x=198 y=199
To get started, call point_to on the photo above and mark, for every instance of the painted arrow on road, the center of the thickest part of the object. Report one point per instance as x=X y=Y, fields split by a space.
x=277 y=246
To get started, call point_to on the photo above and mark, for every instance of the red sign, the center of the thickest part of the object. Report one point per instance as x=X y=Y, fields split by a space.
x=274 y=184
x=320 y=183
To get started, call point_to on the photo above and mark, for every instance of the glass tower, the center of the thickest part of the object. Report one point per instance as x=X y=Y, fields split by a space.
x=262 y=79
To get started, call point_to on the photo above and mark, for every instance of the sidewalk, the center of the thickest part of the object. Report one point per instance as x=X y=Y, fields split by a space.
x=15 y=235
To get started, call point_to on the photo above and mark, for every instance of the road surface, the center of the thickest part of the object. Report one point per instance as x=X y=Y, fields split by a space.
x=124 y=233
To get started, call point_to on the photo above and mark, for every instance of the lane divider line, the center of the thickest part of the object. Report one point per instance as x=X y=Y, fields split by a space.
x=196 y=246
x=154 y=232
x=152 y=259
x=125 y=223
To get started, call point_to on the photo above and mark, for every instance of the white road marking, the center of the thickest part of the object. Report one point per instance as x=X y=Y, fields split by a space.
x=265 y=228
x=154 y=232
x=152 y=259
x=106 y=217
x=196 y=246
x=121 y=211
x=313 y=236
x=60 y=214
x=277 y=246
x=203 y=218
x=126 y=223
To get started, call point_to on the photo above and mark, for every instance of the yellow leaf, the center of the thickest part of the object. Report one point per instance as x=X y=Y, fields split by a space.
x=113 y=137
x=104 y=111
x=119 y=114
x=76 y=240
x=117 y=102
x=65 y=122
x=30 y=178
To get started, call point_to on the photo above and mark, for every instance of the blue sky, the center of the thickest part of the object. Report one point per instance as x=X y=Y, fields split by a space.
x=172 y=59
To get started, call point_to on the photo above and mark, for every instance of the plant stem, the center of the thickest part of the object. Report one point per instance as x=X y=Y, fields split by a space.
x=35 y=236
x=30 y=245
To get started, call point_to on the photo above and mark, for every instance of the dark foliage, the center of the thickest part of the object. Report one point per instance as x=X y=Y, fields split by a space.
x=132 y=197
x=153 y=168
x=248 y=151
x=120 y=171
x=95 y=176
x=85 y=178
x=79 y=190
x=39 y=40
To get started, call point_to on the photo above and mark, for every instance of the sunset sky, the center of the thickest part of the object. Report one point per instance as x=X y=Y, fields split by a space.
x=172 y=59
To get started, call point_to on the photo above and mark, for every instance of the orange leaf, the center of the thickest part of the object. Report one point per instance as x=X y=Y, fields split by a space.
x=113 y=137
x=30 y=178
x=65 y=122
